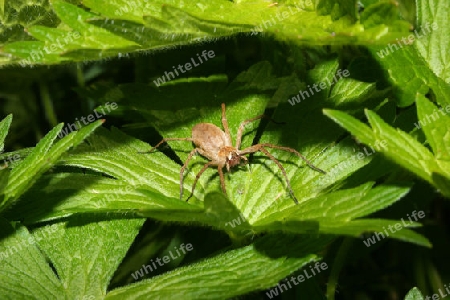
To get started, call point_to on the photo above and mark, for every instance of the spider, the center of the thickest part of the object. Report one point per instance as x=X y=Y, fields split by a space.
x=214 y=144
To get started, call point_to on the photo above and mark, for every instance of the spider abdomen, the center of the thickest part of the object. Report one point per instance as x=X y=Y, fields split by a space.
x=209 y=138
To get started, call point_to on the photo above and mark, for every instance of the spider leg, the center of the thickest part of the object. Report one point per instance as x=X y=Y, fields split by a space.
x=208 y=164
x=256 y=147
x=192 y=153
x=168 y=139
x=225 y=126
x=242 y=127
x=261 y=148
x=222 y=179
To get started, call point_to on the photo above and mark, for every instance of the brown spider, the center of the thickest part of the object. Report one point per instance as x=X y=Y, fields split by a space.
x=215 y=144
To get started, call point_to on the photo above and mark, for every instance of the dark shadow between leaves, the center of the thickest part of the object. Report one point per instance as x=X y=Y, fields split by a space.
x=292 y=245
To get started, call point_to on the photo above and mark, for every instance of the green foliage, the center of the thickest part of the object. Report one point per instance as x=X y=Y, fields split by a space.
x=414 y=294
x=403 y=148
x=84 y=212
x=116 y=28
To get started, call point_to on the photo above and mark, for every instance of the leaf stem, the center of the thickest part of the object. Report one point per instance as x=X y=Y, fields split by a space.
x=337 y=266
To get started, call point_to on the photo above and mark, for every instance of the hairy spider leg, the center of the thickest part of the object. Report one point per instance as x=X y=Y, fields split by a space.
x=242 y=127
x=282 y=170
x=197 y=177
x=260 y=147
x=191 y=154
x=225 y=126
x=256 y=147
x=168 y=139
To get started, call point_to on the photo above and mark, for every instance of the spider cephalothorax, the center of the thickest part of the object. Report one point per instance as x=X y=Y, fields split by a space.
x=232 y=157
x=215 y=144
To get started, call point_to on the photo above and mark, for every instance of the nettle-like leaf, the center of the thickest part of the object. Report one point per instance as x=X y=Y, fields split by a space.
x=84 y=252
x=231 y=274
x=402 y=148
x=425 y=52
x=15 y=16
x=42 y=158
x=414 y=294
x=4 y=128
x=4 y=173
x=148 y=184
x=104 y=29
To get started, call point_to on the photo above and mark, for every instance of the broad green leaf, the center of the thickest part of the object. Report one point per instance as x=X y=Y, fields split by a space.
x=435 y=123
x=358 y=227
x=4 y=128
x=425 y=53
x=417 y=78
x=351 y=90
x=41 y=159
x=357 y=128
x=84 y=193
x=102 y=29
x=124 y=158
x=434 y=46
x=414 y=294
x=338 y=9
x=148 y=184
x=379 y=14
x=345 y=205
x=292 y=21
x=17 y=16
x=85 y=252
x=24 y=271
x=252 y=192
x=400 y=147
x=239 y=271
x=54 y=42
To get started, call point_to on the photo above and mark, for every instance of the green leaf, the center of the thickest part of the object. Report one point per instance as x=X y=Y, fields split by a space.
x=19 y=255
x=43 y=157
x=338 y=9
x=357 y=128
x=102 y=29
x=402 y=148
x=428 y=59
x=434 y=46
x=238 y=271
x=84 y=252
x=435 y=123
x=358 y=227
x=379 y=14
x=4 y=128
x=148 y=184
x=414 y=294
x=17 y=16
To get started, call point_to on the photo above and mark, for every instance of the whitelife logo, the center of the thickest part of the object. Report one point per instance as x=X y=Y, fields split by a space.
x=90 y=118
x=441 y=294
x=166 y=259
x=281 y=16
x=434 y=116
x=398 y=226
x=322 y=85
x=11 y=158
x=393 y=47
x=53 y=48
x=188 y=66
x=318 y=267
